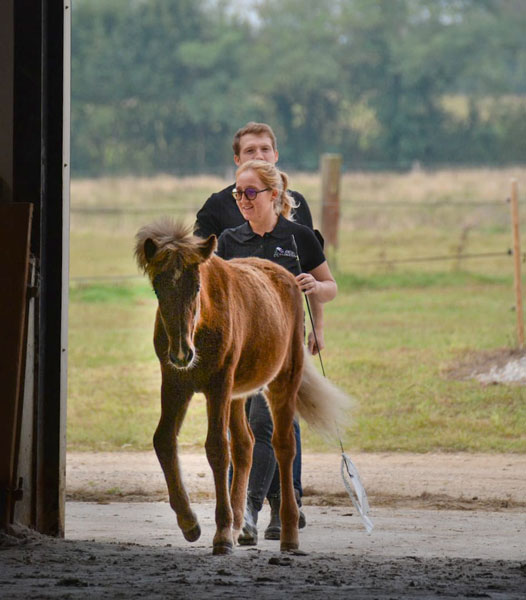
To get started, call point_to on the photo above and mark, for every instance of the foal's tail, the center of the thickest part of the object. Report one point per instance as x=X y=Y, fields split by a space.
x=324 y=406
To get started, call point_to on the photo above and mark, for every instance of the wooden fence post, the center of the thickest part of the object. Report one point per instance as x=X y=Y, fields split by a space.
x=514 y=199
x=330 y=202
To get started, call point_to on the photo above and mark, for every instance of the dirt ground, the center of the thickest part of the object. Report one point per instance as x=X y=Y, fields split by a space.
x=446 y=526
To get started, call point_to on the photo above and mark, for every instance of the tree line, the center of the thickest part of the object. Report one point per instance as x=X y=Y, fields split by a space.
x=162 y=85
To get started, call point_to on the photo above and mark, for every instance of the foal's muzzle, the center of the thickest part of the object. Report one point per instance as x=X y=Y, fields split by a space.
x=184 y=361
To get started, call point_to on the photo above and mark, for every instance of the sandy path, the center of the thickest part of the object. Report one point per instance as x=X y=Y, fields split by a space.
x=446 y=526
x=475 y=481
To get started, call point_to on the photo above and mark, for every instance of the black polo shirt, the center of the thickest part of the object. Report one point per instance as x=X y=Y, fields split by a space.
x=220 y=212
x=277 y=245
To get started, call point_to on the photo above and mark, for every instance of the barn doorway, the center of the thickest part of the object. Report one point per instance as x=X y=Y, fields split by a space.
x=34 y=209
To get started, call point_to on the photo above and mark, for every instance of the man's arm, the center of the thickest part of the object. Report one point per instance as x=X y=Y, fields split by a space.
x=206 y=221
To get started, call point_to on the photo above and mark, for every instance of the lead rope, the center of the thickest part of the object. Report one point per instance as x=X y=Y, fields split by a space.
x=350 y=476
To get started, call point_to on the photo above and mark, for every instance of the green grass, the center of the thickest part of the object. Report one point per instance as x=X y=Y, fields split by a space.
x=387 y=346
x=391 y=354
x=350 y=282
x=114 y=377
x=122 y=294
x=391 y=333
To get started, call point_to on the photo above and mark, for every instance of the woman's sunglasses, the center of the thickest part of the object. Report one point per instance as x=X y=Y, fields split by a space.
x=250 y=193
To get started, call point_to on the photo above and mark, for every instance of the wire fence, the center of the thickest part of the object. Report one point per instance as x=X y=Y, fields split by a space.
x=124 y=210
x=119 y=210
x=418 y=259
x=383 y=261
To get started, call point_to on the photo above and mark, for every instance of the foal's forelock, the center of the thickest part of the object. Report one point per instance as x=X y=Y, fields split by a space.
x=160 y=244
x=170 y=260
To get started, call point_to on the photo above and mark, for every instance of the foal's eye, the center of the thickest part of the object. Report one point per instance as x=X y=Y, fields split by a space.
x=157 y=284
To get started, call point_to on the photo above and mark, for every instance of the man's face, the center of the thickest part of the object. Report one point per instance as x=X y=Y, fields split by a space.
x=258 y=147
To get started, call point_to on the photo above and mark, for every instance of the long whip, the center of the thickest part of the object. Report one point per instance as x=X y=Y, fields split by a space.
x=350 y=476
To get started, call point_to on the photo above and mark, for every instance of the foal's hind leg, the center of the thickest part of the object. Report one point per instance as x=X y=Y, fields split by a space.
x=282 y=400
x=174 y=404
x=242 y=444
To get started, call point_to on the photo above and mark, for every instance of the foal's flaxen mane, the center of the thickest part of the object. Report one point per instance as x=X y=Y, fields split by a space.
x=174 y=241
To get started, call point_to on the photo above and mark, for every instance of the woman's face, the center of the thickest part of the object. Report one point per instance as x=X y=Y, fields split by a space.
x=261 y=209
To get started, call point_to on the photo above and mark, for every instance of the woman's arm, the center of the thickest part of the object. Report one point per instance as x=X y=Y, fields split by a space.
x=315 y=340
x=320 y=286
x=318 y=283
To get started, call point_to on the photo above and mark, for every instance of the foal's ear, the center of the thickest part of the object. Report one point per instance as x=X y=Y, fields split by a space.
x=207 y=247
x=150 y=248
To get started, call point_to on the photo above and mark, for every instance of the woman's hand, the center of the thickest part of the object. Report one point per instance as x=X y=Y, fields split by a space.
x=308 y=284
x=318 y=283
x=311 y=341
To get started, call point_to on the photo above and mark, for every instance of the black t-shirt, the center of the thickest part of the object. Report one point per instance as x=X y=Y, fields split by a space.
x=277 y=245
x=220 y=212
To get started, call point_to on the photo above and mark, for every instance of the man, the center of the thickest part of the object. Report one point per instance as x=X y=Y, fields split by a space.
x=220 y=212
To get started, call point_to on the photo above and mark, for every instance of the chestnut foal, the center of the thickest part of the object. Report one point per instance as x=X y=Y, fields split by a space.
x=227 y=329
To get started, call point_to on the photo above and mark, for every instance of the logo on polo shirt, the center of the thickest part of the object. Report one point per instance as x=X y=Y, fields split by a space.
x=279 y=251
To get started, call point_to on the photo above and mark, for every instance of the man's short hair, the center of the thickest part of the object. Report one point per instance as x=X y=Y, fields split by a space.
x=256 y=129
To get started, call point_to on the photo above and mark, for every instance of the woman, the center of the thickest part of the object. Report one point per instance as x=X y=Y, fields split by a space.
x=261 y=196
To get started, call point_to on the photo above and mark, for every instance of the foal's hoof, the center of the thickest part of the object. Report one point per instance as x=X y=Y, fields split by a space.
x=222 y=548
x=288 y=546
x=193 y=534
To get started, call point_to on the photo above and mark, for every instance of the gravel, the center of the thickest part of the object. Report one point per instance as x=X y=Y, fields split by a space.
x=514 y=371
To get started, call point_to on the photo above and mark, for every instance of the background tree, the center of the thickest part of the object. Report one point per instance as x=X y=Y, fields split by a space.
x=160 y=86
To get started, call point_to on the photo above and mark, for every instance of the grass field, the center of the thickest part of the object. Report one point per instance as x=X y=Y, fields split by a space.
x=392 y=333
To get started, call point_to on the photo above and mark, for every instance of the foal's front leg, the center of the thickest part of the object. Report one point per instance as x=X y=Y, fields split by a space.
x=217 y=452
x=174 y=404
x=242 y=444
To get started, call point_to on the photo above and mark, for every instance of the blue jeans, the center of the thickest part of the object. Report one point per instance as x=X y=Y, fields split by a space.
x=264 y=474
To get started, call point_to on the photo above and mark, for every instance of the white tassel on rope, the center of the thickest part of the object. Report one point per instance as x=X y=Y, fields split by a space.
x=356 y=491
